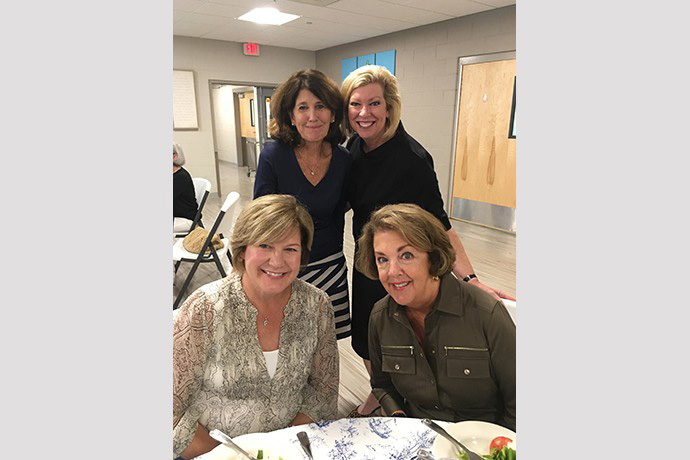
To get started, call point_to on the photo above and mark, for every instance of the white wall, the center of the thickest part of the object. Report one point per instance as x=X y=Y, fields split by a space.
x=427 y=72
x=220 y=60
x=224 y=118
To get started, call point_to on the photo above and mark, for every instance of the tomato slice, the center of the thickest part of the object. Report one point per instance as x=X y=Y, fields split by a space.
x=498 y=442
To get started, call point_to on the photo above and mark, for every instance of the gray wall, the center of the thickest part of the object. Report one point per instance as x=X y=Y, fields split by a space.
x=220 y=60
x=427 y=71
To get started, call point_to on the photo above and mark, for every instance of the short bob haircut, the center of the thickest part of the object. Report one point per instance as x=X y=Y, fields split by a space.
x=285 y=97
x=421 y=229
x=391 y=94
x=269 y=219
x=177 y=149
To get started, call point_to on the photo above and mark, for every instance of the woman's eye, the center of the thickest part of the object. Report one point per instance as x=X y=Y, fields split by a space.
x=354 y=104
x=291 y=249
x=381 y=260
x=264 y=246
x=376 y=103
x=320 y=106
x=407 y=256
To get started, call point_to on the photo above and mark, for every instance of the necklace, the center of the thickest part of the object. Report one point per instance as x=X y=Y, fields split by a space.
x=312 y=169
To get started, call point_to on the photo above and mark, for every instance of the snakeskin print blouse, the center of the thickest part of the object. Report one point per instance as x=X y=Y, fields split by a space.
x=219 y=371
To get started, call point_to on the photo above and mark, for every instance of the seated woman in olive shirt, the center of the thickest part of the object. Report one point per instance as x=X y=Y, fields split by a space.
x=440 y=348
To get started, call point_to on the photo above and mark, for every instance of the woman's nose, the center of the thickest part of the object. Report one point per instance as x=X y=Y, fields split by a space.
x=277 y=257
x=393 y=268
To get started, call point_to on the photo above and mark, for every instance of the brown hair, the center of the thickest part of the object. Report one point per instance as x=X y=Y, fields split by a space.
x=421 y=229
x=284 y=99
x=391 y=94
x=268 y=219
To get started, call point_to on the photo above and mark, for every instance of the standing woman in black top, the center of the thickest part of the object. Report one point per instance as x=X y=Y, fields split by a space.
x=389 y=166
x=184 y=198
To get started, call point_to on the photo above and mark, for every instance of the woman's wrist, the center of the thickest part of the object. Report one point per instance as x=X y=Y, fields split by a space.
x=398 y=413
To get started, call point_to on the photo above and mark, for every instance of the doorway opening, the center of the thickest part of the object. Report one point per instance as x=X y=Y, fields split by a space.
x=239 y=124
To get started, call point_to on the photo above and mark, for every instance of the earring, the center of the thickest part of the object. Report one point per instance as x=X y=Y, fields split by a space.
x=435 y=278
x=332 y=120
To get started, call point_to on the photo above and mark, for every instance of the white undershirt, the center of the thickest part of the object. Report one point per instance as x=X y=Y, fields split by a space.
x=271 y=361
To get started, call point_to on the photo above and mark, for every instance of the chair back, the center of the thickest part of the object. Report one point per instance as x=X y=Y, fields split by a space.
x=202 y=188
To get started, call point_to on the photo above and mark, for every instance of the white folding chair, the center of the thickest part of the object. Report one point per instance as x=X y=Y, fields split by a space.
x=182 y=226
x=511 y=306
x=180 y=254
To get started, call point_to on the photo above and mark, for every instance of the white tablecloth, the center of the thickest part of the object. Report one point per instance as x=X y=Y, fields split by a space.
x=370 y=438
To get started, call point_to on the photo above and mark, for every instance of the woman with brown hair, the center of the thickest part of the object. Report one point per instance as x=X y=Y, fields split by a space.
x=440 y=348
x=306 y=161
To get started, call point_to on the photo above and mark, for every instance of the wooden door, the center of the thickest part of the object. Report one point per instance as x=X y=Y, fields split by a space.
x=484 y=153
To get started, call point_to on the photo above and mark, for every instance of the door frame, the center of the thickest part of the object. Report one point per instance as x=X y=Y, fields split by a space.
x=500 y=219
x=214 y=81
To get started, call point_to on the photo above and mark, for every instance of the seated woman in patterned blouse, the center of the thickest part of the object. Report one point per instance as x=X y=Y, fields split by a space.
x=255 y=351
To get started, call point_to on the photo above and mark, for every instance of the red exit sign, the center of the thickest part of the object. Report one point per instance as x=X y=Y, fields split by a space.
x=250 y=49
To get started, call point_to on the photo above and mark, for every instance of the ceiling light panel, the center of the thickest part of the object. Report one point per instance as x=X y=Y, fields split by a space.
x=268 y=16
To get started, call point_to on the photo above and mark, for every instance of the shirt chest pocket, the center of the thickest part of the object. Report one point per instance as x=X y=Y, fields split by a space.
x=467 y=362
x=398 y=359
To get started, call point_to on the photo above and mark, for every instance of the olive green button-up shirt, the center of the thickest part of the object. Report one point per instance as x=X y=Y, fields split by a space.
x=465 y=370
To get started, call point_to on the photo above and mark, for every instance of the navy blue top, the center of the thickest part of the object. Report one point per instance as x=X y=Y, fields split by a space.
x=279 y=172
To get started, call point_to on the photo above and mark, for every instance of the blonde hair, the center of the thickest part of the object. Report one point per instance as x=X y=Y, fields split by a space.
x=366 y=75
x=268 y=219
x=421 y=229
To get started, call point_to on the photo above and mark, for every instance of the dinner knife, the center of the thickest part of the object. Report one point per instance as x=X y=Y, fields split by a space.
x=434 y=426
x=225 y=439
x=304 y=442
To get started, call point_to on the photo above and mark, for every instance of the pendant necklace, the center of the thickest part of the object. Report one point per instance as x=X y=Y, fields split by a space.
x=312 y=171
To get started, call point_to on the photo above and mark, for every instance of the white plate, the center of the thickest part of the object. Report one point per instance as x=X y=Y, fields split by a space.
x=477 y=436
x=251 y=443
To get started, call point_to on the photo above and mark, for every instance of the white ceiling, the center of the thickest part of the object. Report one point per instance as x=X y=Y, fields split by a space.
x=319 y=27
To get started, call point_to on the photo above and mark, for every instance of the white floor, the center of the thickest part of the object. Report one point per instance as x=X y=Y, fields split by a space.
x=492 y=253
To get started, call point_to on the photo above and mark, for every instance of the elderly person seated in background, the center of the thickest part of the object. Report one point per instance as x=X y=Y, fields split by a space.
x=255 y=351
x=440 y=348
x=184 y=197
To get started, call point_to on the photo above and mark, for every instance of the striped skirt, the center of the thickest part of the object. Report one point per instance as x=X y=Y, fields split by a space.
x=330 y=275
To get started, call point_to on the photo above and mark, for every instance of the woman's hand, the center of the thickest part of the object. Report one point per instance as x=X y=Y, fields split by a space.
x=201 y=443
x=495 y=293
x=301 y=419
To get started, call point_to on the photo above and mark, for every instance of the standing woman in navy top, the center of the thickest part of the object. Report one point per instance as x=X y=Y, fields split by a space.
x=389 y=166
x=306 y=161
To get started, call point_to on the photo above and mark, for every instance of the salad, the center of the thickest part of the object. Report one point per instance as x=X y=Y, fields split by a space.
x=501 y=448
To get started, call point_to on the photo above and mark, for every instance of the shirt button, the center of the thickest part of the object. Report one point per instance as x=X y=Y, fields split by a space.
x=397 y=367
x=436 y=407
x=467 y=372
x=433 y=352
x=396 y=314
x=421 y=354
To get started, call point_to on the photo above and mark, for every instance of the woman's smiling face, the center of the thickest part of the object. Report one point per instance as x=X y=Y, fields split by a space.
x=367 y=114
x=270 y=268
x=404 y=271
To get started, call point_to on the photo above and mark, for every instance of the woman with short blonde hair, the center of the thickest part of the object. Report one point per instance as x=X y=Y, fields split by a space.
x=388 y=166
x=255 y=351
x=268 y=220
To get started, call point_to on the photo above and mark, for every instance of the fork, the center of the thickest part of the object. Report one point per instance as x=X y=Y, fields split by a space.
x=431 y=424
